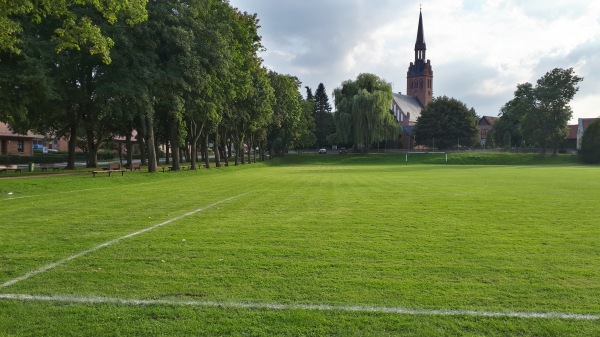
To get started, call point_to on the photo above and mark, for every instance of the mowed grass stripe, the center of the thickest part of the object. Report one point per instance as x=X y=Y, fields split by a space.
x=310 y=307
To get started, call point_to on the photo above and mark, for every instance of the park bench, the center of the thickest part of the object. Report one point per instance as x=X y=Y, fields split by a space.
x=171 y=168
x=5 y=168
x=113 y=166
x=46 y=167
x=134 y=167
x=108 y=171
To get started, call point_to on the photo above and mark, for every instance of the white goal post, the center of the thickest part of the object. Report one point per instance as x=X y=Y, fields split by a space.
x=430 y=152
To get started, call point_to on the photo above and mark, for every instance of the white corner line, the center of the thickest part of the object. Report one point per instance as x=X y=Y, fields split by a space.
x=310 y=307
x=108 y=243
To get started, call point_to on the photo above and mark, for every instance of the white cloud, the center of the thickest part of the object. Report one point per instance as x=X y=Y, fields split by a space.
x=480 y=50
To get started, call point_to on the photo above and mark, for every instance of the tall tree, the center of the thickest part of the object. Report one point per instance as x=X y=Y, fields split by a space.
x=324 y=125
x=287 y=113
x=446 y=122
x=543 y=110
x=363 y=115
x=309 y=94
x=553 y=92
x=513 y=113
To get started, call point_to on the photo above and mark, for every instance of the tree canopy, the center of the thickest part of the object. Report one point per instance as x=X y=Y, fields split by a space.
x=539 y=115
x=323 y=118
x=590 y=143
x=76 y=29
x=363 y=113
x=446 y=122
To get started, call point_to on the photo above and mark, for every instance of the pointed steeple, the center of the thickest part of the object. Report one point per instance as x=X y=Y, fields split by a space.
x=419 y=78
x=420 y=46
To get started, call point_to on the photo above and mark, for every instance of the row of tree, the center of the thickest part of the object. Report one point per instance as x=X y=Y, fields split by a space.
x=187 y=76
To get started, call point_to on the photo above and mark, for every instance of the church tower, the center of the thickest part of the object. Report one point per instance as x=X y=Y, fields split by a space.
x=419 y=78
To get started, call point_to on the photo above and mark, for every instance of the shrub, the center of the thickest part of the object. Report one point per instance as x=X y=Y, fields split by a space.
x=590 y=144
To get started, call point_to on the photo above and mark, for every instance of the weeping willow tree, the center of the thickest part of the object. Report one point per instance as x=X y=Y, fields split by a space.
x=363 y=114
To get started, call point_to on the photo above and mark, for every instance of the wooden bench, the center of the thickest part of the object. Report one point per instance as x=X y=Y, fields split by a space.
x=4 y=168
x=46 y=167
x=116 y=166
x=134 y=167
x=108 y=171
x=171 y=168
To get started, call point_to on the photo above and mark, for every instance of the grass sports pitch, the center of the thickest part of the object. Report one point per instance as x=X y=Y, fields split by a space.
x=309 y=245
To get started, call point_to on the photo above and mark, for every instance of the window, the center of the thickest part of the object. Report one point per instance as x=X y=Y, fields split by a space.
x=21 y=146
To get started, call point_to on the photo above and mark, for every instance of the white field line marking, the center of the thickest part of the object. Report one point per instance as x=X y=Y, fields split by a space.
x=319 y=307
x=108 y=243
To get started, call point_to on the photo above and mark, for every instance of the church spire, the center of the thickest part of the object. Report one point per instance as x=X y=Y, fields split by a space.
x=420 y=46
x=419 y=78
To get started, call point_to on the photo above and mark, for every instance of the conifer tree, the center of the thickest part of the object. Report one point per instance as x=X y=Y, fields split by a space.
x=323 y=116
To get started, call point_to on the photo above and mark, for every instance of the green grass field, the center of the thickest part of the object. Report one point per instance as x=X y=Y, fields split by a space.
x=309 y=245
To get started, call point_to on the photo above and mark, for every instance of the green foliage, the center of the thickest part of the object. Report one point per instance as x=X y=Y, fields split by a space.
x=363 y=111
x=307 y=137
x=590 y=144
x=506 y=139
x=287 y=118
x=189 y=73
x=513 y=113
x=540 y=114
x=489 y=139
x=446 y=122
x=77 y=31
x=323 y=118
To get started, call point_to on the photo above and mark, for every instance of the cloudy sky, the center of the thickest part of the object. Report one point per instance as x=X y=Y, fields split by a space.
x=479 y=50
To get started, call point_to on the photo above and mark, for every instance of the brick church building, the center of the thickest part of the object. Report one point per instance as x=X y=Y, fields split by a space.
x=419 y=88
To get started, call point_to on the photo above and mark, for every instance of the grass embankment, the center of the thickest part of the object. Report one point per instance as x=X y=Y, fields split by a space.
x=454 y=158
x=335 y=230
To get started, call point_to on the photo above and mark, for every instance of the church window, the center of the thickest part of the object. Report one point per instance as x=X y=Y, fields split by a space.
x=421 y=83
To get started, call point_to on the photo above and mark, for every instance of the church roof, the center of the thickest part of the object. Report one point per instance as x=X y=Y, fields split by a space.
x=409 y=104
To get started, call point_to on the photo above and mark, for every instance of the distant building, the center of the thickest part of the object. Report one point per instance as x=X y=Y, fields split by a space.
x=419 y=88
x=15 y=144
x=582 y=125
x=571 y=143
x=485 y=125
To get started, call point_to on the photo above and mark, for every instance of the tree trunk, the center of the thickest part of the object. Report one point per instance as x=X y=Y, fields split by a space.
x=205 y=151
x=129 y=148
x=236 y=144
x=141 y=141
x=72 y=146
x=226 y=151
x=175 y=145
x=148 y=125
x=216 y=149
x=92 y=145
x=168 y=153
x=92 y=154
x=194 y=135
